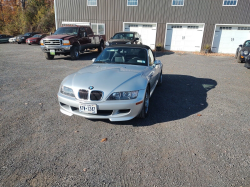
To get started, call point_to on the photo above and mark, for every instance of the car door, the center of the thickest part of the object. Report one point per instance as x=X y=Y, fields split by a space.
x=82 y=38
x=154 y=70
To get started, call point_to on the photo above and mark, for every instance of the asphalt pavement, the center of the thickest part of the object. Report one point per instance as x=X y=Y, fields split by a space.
x=197 y=132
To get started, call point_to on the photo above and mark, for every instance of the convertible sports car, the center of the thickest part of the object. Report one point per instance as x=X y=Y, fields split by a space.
x=117 y=86
x=243 y=51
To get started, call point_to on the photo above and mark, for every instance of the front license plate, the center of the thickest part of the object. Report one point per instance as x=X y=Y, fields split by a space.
x=52 y=52
x=88 y=108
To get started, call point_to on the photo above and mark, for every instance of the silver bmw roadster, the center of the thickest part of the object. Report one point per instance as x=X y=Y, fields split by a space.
x=117 y=86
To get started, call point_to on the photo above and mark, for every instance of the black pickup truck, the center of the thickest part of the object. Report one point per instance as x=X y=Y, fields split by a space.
x=71 y=40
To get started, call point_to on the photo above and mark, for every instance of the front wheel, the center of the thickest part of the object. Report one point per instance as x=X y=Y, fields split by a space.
x=160 y=80
x=145 y=107
x=48 y=56
x=101 y=47
x=238 y=59
x=74 y=53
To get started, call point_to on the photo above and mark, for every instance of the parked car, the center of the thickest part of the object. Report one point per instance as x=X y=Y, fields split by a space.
x=22 y=38
x=117 y=86
x=35 y=39
x=71 y=40
x=12 y=40
x=242 y=51
x=4 y=38
x=125 y=38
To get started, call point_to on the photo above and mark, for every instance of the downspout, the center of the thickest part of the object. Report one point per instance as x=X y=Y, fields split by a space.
x=55 y=13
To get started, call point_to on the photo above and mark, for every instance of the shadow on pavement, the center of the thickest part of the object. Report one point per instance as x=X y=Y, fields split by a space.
x=178 y=97
x=89 y=55
x=163 y=53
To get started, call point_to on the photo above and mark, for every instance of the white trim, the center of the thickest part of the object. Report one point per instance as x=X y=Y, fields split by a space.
x=55 y=14
x=97 y=27
x=236 y=25
x=91 y=5
x=178 y=5
x=75 y=23
x=132 y=5
x=184 y=24
x=229 y=5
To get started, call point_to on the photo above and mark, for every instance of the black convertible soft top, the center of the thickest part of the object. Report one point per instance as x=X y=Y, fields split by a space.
x=129 y=46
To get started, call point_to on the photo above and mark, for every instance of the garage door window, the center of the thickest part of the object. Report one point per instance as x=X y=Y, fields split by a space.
x=193 y=27
x=176 y=27
x=230 y=2
x=92 y=2
x=243 y=28
x=225 y=28
x=132 y=3
x=98 y=28
x=178 y=3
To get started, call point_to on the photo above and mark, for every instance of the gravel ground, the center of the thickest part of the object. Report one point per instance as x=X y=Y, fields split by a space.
x=197 y=132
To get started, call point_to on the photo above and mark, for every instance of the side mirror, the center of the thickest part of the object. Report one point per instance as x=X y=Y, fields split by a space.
x=240 y=45
x=157 y=62
x=136 y=39
x=93 y=60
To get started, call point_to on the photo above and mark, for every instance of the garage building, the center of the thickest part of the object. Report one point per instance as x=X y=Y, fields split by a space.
x=183 y=25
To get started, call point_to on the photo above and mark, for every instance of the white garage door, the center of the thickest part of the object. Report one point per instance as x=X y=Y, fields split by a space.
x=186 y=37
x=227 y=38
x=146 y=30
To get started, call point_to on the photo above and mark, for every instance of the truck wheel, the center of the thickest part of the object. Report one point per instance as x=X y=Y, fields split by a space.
x=48 y=56
x=74 y=53
x=101 y=47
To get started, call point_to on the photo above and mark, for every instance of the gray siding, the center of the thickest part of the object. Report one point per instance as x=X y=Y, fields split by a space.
x=114 y=12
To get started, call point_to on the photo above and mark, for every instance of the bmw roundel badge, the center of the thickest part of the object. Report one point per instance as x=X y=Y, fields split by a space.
x=91 y=87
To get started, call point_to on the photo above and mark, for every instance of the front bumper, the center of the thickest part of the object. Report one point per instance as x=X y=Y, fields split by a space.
x=58 y=49
x=31 y=42
x=119 y=110
x=21 y=40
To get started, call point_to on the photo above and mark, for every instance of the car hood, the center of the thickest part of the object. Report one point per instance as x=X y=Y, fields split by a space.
x=107 y=77
x=119 y=41
x=33 y=38
x=60 y=36
x=245 y=49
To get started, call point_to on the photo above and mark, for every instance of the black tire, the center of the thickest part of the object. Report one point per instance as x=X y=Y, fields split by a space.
x=74 y=53
x=145 y=107
x=19 y=42
x=238 y=58
x=101 y=47
x=160 y=80
x=48 y=56
x=236 y=55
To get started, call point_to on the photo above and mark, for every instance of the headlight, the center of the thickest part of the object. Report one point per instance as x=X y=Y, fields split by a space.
x=106 y=43
x=123 y=95
x=245 y=52
x=41 y=42
x=67 y=91
x=128 y=43
x=66 y=42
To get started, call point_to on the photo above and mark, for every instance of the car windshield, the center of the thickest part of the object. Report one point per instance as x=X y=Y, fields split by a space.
x=124 y=36
x=123 y=55
x=37 y=36
x=67 y=30
x=247 y=43
x=27 y=34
